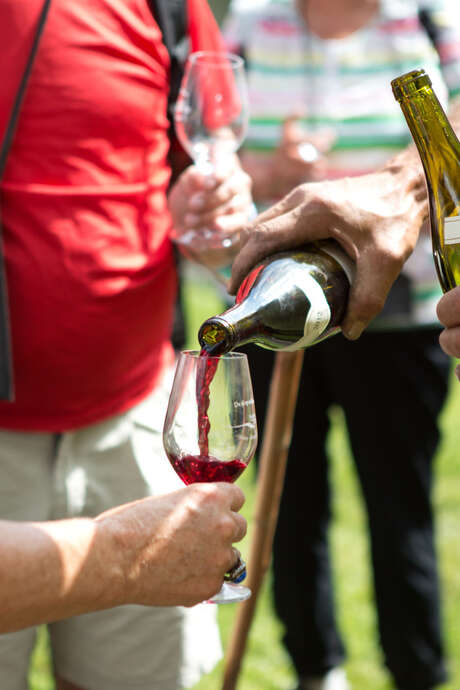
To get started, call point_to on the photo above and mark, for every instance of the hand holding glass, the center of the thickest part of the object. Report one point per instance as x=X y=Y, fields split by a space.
x=211 y=119
x=210 y=429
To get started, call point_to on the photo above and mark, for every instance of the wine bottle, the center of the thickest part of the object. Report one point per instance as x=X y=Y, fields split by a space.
x=288 y=301
x=439 y=151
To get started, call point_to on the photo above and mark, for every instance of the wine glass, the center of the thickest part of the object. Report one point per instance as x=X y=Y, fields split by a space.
x=210 y=429
x=211 y=120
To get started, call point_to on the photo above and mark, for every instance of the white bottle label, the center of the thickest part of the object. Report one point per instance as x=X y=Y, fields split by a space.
x=452 y=230
x=319 y=313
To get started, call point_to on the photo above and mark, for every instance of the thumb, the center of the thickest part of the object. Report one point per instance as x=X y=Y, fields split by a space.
x=292 y=130
x=323 y=139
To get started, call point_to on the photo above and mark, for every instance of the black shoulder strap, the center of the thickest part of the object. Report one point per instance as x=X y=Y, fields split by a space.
x=6 y=363
x=8 y=138
x=171 y=17
x=429 y=26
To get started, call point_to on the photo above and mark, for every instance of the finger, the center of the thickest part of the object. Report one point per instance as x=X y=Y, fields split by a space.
x=233 y=558
x=292 y=129
x=448 y=308
x=282 y=206
x=231 y=191
x=367 y=293
x=195 y=181
x=231 y=223
x=227 y=223
x=236 y=203
x=268 y=237
x=237 y=572
x=241 y=527
x=234 y=494
x=323 y=140
x=450 y=341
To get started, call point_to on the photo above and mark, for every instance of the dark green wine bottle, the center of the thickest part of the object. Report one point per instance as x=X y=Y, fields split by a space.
x=289 y=301
x=439 y=151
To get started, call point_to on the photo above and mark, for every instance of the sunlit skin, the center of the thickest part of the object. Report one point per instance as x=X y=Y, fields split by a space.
x=160 y=551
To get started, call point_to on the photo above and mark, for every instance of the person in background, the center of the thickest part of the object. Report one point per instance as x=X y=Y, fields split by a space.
x=319 y=76
x=91 y=290
x=170 y=550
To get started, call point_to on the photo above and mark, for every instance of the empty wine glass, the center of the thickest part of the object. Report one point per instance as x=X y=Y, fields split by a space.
x=210 y=429
x=211 y=119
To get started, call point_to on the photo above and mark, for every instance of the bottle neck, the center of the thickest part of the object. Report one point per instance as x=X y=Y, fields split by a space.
x=430 y=129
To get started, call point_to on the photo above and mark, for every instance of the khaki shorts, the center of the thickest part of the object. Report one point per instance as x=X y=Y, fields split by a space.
x=47 y=476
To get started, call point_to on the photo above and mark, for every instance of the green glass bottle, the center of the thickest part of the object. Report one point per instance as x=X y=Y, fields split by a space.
x=439 y=151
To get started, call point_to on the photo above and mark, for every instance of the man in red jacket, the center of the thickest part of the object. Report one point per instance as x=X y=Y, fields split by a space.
x=92 y=285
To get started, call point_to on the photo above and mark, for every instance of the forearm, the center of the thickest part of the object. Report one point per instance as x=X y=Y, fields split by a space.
x=53 y=570
x=170 y=550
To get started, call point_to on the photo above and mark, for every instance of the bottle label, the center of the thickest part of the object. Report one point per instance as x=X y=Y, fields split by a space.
x=452 y=230
x=319 y=313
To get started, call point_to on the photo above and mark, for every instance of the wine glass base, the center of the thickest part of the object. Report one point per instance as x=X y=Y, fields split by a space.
x=230 y=593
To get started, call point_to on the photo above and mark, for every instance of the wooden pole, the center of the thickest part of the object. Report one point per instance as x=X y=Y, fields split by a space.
x=272 y=466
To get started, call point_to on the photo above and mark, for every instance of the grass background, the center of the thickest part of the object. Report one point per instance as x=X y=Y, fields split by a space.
x=265 y=665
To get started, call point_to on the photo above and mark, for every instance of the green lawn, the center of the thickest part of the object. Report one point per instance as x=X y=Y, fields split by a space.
x=266 y=666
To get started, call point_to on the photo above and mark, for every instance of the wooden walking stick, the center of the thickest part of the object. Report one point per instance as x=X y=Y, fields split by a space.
x=272 y=465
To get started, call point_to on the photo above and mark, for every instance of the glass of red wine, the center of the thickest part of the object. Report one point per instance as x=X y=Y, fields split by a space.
x=210 y=429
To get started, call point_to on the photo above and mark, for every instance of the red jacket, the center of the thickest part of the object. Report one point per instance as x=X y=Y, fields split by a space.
x=89 y=266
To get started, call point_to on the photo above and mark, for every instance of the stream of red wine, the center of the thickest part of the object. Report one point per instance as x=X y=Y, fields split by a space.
x=204 y=467
x=207 y=367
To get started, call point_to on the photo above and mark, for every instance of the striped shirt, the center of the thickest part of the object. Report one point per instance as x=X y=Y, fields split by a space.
x=344 y=85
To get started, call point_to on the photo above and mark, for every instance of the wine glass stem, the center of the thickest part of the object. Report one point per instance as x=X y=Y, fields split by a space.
x=205 y=164
x=212 y=161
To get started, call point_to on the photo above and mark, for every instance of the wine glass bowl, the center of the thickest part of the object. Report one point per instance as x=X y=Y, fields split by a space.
x=210 y=428
x=211 y=113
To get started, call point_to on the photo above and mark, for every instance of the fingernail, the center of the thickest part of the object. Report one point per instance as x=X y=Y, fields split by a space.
x=354 y=331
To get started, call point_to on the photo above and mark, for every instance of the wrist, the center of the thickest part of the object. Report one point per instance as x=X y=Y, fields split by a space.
x=114 y=559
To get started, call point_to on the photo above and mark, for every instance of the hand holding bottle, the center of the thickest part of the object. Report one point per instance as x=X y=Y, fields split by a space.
x=289 y=301
x=376 y=218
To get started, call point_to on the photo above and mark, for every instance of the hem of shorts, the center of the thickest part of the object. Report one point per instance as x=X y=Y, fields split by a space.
x=91 y=679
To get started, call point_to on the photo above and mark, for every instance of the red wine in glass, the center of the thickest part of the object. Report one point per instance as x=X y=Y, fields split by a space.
x=205 y=468
x=210 y=429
